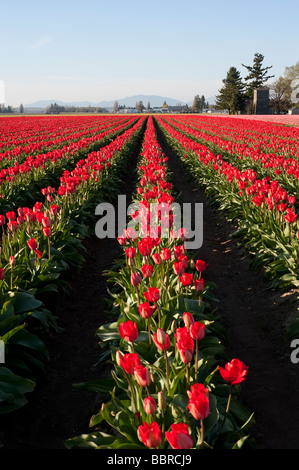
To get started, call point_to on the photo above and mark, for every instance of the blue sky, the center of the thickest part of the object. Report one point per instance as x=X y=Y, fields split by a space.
x=73 y=50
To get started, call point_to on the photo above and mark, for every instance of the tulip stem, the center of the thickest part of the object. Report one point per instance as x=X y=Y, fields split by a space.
x=131 y=390
x=159 y=315
x=167 y=369
x=188 y=374
x=149 y=330
x=196 y=361
x=202 y=433
x=227 y=406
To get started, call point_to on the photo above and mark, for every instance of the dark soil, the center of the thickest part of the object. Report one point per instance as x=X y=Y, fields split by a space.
x=254 y=317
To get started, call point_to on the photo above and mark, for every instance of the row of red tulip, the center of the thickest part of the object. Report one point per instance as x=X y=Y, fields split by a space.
x=40 y=161
x=28 y=134
x=159 y=270
x=263 y=191
x=37 y=244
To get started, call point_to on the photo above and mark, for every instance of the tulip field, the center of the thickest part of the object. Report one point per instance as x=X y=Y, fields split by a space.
x=170 y=384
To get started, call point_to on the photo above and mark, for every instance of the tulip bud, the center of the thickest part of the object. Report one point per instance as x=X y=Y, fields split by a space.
x=161 y=336
x=149 y=405
x=173 y=326
x=12 y=261
x=161 y=401
x=118 y=357
x=135 y=279
x=188 y=319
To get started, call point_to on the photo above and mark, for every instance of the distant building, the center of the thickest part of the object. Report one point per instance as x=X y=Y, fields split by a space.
x=176 y=109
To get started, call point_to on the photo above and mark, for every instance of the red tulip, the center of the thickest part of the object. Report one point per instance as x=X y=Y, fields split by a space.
x=128 y=330
x=150 y=434
x=199 y=405
x=131 y=252
x=199 y=284
x=129 y=361
x=122 y=240
x=234 y=372
x=161 y=341
x=147 y=270
x=187 y=279
x=197 y=330
x=11 y=216
x=157 y=258
x=2 y=272
x=165 y=254
x=145 y=246
x=149 y=405
x=178 y=268
x=47 y=231
x=201 y=265
x=152 y=294
x=188 y=319
x=185 y=344
x=142 y=376
x=179 y=437
x=32 y=243
x=135 y=279
x=146 y=310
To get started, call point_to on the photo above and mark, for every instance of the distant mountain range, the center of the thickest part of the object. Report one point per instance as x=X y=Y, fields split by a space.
x=130 y=101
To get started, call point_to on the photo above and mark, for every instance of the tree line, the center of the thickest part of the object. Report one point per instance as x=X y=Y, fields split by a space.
x=236 y=95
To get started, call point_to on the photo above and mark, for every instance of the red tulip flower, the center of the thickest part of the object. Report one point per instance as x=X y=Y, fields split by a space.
x=199 y=284
x=201 y=265
x=188 y=319
x=131 y=252
x=150 y=434
x=162 y=342
x=47 y=231
x=147 y=270
x=145 y=246
x=187 y=279
x=234 y=372
x=165 y=254
x=179 y=437
x=142 y=376
x=152 y=294
x=149 y=405
x=129 y=361
x=135 y=279
x=199 y=405
x=178 y=268
x=197 y=330
x=128 y=330
x=157 y=258
x=146 y=310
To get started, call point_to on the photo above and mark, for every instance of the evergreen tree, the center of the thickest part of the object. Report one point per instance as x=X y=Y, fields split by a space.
x=21 y=108
x=231 y=95
x=257 y=75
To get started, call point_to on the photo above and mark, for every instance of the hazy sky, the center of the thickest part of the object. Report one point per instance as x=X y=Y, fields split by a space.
x=74 y=50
